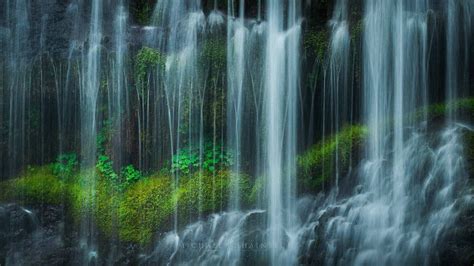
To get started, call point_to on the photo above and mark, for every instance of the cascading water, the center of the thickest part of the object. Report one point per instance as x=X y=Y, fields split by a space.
x=17 y=83
x=89 y=91
x=236 y=40
x=118 y=97
x=281 y=86
x=338 y=94
x=458 y=35
x=191 y=120
x=405 y=200
x=183 y=92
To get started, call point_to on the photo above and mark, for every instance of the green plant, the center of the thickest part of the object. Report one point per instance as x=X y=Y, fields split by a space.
x=140 y=211
x=130 y=175
x=214 y=55
x=65 y=165
x=213 y=158
x=317 y=42
x=103 y=138
x=147 y=59
x=141 y=11
x=105 y=168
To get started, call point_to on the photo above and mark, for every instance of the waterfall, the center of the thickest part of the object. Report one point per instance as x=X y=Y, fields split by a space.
x=338 y=95
x=459 y=16
x=236 y=41
x=89 y=90
x=17 y=58
x=398 y=214
x=237 y=35
x=281 y=86
x=64 y=95
x=182 y=88
x=118 y=95
x=175 y=132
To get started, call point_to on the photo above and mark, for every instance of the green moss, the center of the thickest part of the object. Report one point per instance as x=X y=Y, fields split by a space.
x=316 y=42
x=469 y=138
x=81 y=193
x=356 y=30
x=204 y=192
x=214 y=54
x=315 y=166
x=464 y=105
x=144 y=207
x=257 y=190
x=146 y=60
x=142 y=10
x=137 y=213
x=36 y=185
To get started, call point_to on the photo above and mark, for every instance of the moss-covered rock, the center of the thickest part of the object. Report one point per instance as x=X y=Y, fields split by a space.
x=463 y=106
x=144 y=207
x=316 y=166
x=205 y=192
x=36 y=185
x=469 y=150
x=134 y=214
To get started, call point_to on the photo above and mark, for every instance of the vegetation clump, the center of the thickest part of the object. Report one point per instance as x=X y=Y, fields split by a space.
x=36 y=185
x=65 y=165
x=144 y=207
x=142 y=10
x=214 y=55
x=147 y=59
x=213 y=158
x=135 y=212
x=316 y=42
x=316 y=166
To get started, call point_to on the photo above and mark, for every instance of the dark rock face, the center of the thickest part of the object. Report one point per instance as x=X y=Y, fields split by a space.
x=458 y=248
x=16 y=223
x=28 y=239
x=45 y=236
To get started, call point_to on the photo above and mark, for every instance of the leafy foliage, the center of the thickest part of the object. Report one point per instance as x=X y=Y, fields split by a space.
x=130 y=175
x=103 y=138
x=147 y=59
x=213 y=158
x=65 y=165
x=105 y=168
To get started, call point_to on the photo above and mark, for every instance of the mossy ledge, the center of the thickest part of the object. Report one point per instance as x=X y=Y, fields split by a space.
x=316 y=165
x=136 y=214
x=147 y=206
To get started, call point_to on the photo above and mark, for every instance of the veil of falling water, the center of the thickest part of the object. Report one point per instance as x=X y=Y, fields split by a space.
x=281 y=86
x=398 y=213
x=405 y=193
x=339 y=95
x=89 y=91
